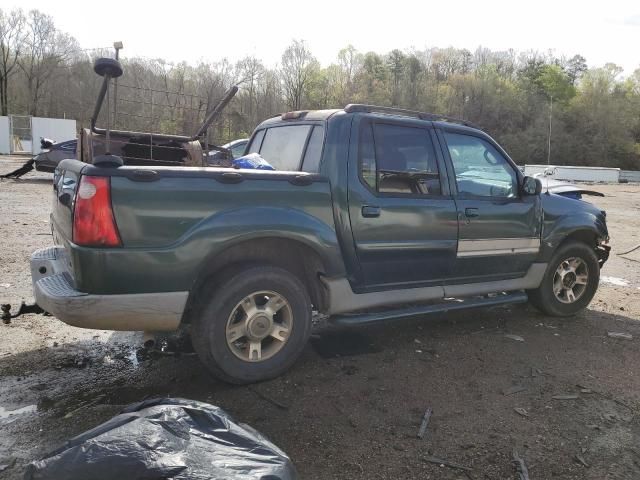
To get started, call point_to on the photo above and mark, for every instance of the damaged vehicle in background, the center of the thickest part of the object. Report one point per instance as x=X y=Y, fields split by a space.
x=237 y=149
x=565 y=189
x=52 y=153
x=371 y=214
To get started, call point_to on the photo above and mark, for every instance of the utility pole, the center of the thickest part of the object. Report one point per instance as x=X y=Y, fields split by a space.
x=118 y=46
x=550 y=118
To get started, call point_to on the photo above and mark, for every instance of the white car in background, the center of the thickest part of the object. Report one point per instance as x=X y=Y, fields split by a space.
x=237 y=148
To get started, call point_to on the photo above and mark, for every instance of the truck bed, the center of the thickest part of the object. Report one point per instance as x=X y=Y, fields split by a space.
x=171 y=219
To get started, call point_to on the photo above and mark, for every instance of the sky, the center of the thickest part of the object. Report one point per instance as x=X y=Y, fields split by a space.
x=606 y=31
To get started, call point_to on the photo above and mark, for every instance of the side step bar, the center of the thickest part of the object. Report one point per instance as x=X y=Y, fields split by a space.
x=355 y=319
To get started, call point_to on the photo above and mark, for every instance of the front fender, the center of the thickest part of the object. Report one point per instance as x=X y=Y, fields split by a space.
x=565 y=217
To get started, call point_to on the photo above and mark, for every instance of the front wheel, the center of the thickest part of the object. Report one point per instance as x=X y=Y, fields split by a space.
x=570 y=282
x=253 y=326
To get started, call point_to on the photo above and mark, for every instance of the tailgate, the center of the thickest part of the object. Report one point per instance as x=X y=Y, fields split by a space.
x=65 y=185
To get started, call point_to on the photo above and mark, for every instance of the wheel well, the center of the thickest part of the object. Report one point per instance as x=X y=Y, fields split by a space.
x=291 y=255
x=584 y=236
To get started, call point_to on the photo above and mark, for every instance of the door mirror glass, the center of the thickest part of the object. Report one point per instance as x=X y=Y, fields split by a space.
x=531 y=186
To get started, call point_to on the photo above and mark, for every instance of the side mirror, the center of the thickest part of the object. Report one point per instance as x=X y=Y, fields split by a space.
x=531 y=186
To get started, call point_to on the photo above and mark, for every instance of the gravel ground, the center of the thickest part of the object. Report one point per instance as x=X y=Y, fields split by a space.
x=352 y=406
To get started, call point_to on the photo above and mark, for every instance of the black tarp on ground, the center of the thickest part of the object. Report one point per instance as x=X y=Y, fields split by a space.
x=168 y=438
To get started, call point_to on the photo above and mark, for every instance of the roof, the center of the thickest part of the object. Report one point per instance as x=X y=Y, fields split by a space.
x=442 y=120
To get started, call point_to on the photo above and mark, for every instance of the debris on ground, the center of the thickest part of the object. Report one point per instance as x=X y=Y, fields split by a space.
x=446 y=463
x=622 y=335
x=84 y=405
x=517 y=338
x=514 y=389
x=521 y=411
x=565 y=397
x=521 y=466
x=580 y=459
x=24 y=169
x=425 y=423
x=166 y=438
x=630 y=250
x=7 y=464
x=269 y=399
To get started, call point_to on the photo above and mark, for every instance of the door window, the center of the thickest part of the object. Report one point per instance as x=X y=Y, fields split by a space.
x=481 y=171
x=396 y=159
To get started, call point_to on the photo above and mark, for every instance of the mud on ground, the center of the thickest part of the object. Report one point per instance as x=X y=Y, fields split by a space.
x=352 y=406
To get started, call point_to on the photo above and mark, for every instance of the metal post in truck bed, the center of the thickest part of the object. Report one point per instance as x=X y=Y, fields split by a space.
x=107 y=68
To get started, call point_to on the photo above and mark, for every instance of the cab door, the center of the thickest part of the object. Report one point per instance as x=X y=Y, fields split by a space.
x=499 y=228
x=403 y=217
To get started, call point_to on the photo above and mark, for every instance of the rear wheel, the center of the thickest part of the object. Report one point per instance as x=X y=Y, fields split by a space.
x=570 y=282
x=253 y=326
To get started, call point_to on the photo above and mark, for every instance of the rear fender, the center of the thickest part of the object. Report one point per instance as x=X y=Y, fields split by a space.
x=222 y=231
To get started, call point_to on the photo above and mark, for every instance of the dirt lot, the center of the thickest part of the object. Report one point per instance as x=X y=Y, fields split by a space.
x=352 y=406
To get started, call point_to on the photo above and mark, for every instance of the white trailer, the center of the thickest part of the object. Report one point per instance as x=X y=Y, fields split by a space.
x=577 y=174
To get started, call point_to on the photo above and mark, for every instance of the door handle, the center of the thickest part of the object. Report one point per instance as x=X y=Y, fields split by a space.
x=369 y=211
x=471 y=212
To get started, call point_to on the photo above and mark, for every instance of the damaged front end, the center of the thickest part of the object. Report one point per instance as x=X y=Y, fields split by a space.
x=602 y=251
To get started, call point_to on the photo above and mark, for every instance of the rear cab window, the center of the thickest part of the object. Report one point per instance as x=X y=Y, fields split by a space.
x=290 y=147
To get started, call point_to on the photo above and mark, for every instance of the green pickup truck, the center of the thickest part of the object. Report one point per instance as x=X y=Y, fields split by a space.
x=371 y=214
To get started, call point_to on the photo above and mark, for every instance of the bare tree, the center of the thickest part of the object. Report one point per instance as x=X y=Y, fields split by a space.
x=45 y=50
x=251 y=71
x=11 y=25
x=297 y=66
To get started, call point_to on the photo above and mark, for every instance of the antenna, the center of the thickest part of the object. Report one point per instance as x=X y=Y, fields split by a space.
x=547 y=173
x=550 y=118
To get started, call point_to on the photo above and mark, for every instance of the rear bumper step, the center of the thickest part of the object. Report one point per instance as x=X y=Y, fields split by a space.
x=441 y=307
x=55 y=293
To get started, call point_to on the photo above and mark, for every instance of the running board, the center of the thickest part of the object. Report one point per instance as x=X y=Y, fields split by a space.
x=348 y=320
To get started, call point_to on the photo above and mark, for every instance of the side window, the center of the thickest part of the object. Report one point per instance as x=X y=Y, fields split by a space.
x=481 y=171
x=399 y=159
x=257 y=142
x=311 y=162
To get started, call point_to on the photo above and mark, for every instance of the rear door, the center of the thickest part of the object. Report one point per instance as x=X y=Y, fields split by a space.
x=499 y=227
x=403 y=217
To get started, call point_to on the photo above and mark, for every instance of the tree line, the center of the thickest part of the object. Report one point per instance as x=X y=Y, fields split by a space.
x=594 y=111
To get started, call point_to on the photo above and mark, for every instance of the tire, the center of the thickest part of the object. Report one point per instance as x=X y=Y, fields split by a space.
x=226 y=326
x=570 y=256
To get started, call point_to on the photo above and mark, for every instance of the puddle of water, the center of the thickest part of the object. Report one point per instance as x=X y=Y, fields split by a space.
x=5 y=413
x=620 y=282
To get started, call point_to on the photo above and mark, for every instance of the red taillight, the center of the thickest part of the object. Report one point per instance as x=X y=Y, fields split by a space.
x=93 y=221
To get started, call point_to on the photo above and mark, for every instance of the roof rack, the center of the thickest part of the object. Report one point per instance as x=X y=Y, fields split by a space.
x=359 y=107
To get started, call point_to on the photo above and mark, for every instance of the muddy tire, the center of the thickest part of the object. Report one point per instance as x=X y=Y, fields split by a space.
x=570 y=282
x=253 y=325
